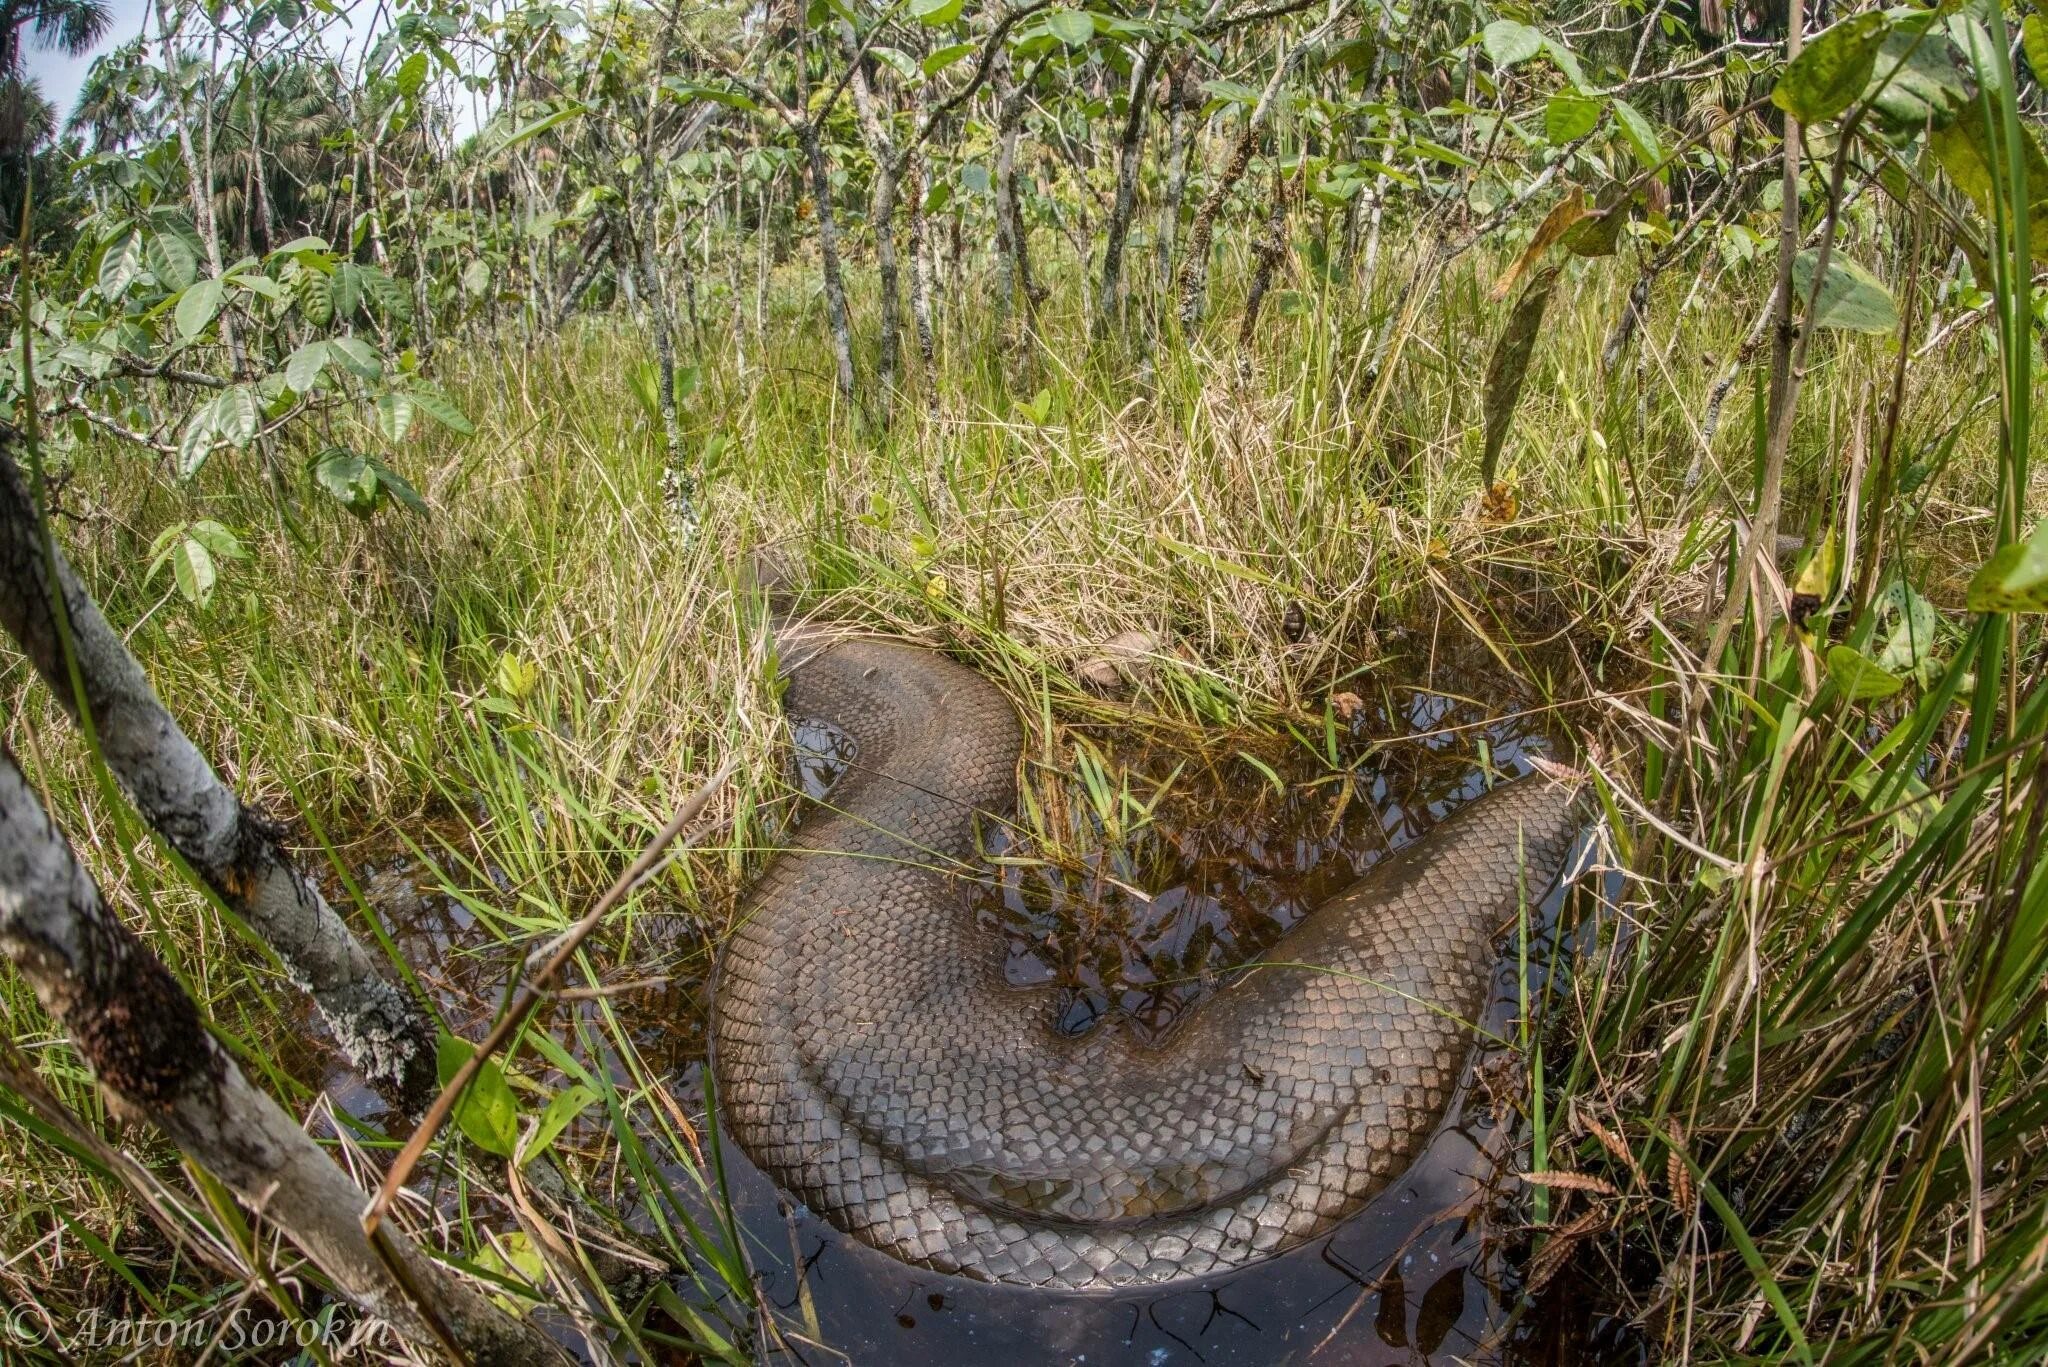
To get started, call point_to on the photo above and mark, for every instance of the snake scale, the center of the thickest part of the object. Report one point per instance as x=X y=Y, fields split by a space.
x=871 y=1058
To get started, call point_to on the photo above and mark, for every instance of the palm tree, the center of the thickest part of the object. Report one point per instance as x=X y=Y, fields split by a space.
x=69 y=26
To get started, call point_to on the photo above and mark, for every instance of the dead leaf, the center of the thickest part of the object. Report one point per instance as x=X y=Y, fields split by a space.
x=1566 y=212
x=1498 y=505
x=1124 y=661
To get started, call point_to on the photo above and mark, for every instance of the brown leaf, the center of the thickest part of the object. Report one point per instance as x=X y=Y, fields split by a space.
x=1498 y=505
x=1123 y=662
x=1566 y=212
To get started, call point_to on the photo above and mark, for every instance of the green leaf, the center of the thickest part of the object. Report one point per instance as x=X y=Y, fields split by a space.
x=345 y=288
x=224 y=544
x=1638 y=133
x=197 y=442
x=564 y=1107
x=412 y=74
x=476 y=277
x=1851 y=297
x=945 y=57
x=1909 y=647
x=515 y=677
x=389 y=296
x=396 y=485
x=2034 y=42
x=1510 y=44
x=197 y=307
x=2015 y=579
x=300 y=244
x=438 y=406
x=1917 y=82
x=394 y=416
x=938 y=13
x=487 y=1112
x=1509 y=365
x=349 y=478
x=1071 y=27
x=1976 y=163
x=120 y=264
x=171 y=260
x=237 y=415
x=193 y=571
x=1859 y=678
x=1833 y=70
x=302 y=368
x=358 y=355
x=1570 y=116
x=689 y=91
x=316 y=298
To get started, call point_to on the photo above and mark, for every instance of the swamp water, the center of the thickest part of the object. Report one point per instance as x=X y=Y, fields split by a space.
x=1135 y=876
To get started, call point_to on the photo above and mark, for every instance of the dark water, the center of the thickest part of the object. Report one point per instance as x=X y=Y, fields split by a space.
x=1145 y=870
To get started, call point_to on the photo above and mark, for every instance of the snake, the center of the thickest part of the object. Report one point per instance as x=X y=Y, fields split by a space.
x=869 y=1055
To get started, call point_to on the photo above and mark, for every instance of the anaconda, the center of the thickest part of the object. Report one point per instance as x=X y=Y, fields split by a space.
x=871 y=1058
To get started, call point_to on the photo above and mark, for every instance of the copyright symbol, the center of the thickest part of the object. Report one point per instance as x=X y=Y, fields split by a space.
x=22 y=1327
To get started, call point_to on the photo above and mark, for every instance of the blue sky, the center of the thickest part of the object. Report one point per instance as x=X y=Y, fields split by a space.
x=60 y=75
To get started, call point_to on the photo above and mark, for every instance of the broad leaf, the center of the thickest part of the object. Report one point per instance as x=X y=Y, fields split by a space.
x=438 y=406
x=1510 y=44
x=936 y=13
x=564 y=1107
x=171 y=260
x=1968 y=153
x=487 y=1112
x=358 y=355
x=1638 y=133
x=1509 y=365
x=2015 y=579
x=945 y=57
x=412 y=74
x=1071 y=27
x=193 y=571
x=197 y=307
x=394 y=416
x=1832 y=71
x=1859 y=678
x=120 y=265
x=237 y=415
x=1851 y=297
x=349 y=478
x=302 y=368
x=1570 y=116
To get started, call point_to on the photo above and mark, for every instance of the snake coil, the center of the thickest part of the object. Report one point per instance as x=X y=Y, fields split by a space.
x=871 y=1058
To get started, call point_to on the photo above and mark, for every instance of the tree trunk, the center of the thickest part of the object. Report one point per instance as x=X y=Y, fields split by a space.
x=145 y=1042
x=881 y=216
x=1176 y=167
x=1130 y=153
x=383 y=1032
x=1272 y=245
x=921 y=278
x=828 y=249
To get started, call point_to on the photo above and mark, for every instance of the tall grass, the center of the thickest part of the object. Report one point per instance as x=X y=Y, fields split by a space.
x=1808 y=1058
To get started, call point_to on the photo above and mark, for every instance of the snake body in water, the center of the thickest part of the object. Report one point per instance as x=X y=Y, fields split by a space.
x=871 y=1058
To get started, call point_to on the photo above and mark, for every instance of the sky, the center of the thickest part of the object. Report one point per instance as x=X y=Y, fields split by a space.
x=60 y=76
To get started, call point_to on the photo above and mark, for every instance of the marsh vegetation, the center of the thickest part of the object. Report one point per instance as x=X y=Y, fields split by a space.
x=1297 y=409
